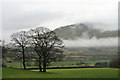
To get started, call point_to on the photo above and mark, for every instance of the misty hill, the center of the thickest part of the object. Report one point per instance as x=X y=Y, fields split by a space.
x=84 y=30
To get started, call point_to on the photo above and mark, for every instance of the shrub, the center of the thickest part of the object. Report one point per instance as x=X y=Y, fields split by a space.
x=115 y=63
x=101 y=64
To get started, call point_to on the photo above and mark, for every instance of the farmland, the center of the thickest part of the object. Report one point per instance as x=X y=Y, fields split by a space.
x=56 y=64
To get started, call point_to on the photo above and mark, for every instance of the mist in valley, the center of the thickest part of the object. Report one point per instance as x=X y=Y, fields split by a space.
x=93 y=42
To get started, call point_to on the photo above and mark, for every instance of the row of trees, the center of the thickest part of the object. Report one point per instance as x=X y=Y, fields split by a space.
x=44 y=42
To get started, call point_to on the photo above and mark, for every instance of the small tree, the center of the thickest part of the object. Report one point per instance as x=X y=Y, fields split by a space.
x=20 y=39
x=46 y=43
x=4 y=52
x=4 y=49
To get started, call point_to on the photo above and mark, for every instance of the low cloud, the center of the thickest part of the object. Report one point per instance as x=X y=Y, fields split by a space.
x=94 y=42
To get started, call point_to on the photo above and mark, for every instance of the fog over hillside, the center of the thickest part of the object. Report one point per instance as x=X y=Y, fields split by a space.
x=93 y=42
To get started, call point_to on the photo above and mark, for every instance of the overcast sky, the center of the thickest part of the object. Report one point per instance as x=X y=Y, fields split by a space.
x=25 y=14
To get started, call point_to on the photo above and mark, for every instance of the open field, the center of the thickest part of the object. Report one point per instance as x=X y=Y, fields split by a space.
x=75 y=62
x=55 y=64
x=62 y=73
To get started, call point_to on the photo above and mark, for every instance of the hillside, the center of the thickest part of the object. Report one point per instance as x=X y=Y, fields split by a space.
x=83 y=30
x=87 y=31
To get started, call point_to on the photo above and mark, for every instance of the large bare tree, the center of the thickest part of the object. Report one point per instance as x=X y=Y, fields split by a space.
x=46 y=44
x=20 y=39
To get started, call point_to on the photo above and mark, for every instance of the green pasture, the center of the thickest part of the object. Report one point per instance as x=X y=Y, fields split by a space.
x=61 y=73
x=55 y=64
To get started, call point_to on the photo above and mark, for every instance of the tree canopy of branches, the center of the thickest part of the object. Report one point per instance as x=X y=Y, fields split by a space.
x=20 y=39
x=46 y=44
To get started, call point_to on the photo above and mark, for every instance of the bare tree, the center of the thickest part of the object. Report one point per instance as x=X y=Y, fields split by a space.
x=34 y=36
x=20 y=39
x=46 y=43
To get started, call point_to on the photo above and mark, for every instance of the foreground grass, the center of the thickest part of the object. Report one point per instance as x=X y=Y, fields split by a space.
x=62 y=73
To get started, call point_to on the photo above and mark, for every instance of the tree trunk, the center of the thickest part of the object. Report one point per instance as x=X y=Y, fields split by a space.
x=40 y=65
x=44 y=67
x=23 y=57
x=44 y=64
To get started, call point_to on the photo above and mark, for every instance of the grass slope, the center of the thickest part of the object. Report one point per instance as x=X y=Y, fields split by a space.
x=62 y=73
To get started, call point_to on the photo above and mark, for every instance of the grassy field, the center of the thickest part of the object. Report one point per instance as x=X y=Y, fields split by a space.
x=56 y=64
x=62 y=73
x=75 y=62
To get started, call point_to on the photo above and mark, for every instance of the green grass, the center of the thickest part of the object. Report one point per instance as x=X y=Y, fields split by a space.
x=18 y=64
x=68 y=63
x=56 y=64
x=93 y=62
x=14 y=64
x=62 y=73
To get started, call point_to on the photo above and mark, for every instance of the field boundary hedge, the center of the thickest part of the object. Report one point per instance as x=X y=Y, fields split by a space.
x=65 y=67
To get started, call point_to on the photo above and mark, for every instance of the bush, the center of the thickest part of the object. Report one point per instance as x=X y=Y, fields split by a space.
x=36 y=63
x=28 y=64
x=3 y=65
x=115 y=63
x=101 y=64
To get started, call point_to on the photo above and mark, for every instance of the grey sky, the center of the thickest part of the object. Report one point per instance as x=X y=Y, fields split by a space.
x=26 y=14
